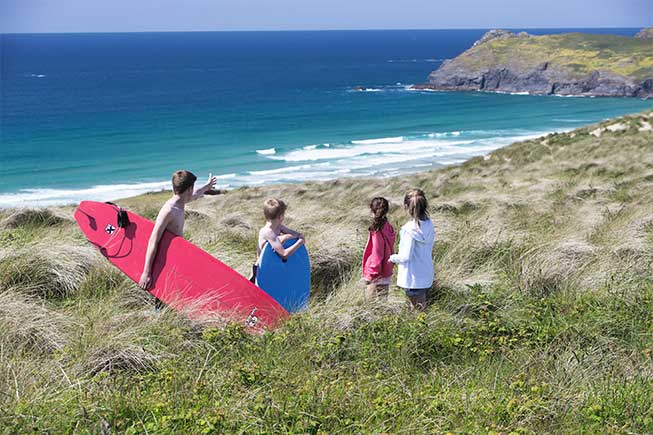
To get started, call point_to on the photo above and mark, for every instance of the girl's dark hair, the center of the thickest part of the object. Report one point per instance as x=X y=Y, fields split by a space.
x=416 y=204
x=379 y=207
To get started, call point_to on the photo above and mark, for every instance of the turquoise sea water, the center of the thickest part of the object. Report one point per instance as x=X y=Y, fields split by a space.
x=100 y=116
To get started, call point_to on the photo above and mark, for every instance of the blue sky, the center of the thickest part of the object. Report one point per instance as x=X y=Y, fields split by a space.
x=17 y=16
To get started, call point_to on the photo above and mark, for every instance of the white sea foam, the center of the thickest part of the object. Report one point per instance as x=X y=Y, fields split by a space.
x=572 y=96
x=364 y=89
x=410 y=88
x=225 y=176
x=398 y=87
x=364 y=148
x=284 y=170
x=286 y=174
x=506 y=92
x=46 y=197
x=267 y=151
x=445 y=133
x=381 y=140
x=313 y=147
x=376 y=157
x=105 y=192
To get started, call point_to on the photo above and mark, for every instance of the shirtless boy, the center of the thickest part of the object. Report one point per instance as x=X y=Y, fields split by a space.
x=171 y=216
x=276 y=233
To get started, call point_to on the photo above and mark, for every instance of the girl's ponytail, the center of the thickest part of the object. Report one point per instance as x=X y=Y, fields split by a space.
x=416 y=204
x=379 y=207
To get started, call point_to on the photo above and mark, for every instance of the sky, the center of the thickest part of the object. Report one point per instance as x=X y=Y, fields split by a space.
x=40 y=16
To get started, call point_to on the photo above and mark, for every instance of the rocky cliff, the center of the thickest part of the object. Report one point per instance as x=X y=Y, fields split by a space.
x=563 y=64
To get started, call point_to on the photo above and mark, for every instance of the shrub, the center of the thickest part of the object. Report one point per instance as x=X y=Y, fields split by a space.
x=48 y=270
x=26 y=325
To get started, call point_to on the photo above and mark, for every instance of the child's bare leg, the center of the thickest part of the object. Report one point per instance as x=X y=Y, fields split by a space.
x=370 y=291
x=375 y=291
x=382 y=291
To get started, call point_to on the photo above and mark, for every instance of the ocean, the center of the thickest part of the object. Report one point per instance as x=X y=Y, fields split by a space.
x=103 y=116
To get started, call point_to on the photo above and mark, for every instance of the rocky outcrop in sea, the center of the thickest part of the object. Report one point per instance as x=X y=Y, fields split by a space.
x=516 y=68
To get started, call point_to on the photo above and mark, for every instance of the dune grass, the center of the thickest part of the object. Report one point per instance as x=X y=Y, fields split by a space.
x=540 y=320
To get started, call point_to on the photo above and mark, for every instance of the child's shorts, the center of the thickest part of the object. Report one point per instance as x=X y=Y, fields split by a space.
x=252 y=276
x=412 y=292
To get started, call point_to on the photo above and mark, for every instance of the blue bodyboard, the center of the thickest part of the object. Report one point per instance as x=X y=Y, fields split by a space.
x=288 y=282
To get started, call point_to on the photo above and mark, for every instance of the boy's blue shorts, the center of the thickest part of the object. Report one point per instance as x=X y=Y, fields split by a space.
x=412 y=292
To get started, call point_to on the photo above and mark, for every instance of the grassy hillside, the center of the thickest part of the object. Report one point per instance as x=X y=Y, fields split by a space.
x=577 y=52
x=562 y=64
x=541 y=319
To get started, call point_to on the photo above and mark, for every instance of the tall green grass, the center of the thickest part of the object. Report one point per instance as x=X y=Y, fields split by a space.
x=540 y=320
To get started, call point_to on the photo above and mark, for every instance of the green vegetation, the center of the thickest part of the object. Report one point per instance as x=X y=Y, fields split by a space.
x=577 y=53
x=541 y=319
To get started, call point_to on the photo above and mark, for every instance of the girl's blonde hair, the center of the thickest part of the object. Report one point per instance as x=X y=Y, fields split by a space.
x=416 y=204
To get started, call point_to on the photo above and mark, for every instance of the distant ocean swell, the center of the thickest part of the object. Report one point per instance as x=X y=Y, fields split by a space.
x=377 y=157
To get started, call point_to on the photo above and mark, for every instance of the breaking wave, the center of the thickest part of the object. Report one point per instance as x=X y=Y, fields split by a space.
x=365 y=157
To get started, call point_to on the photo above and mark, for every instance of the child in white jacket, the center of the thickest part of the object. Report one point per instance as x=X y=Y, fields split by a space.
x=415 y=259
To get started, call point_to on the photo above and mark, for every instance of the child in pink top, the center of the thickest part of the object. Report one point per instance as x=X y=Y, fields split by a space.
x=377 y=270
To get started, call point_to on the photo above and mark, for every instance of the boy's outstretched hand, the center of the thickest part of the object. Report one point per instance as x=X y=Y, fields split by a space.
x=210 y=183
x=209 y=186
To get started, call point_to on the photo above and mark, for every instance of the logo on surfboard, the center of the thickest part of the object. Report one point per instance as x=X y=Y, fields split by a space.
x=109 y=229
x=251 y=320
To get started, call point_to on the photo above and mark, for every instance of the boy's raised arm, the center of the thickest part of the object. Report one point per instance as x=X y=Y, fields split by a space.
x=159 y=227
x=210 y=184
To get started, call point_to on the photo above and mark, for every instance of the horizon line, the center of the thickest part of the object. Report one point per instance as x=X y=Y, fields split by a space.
x=320 y=30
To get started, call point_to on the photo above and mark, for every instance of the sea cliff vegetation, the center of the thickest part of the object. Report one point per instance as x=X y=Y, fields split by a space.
x=571 y=63
x=541 y=318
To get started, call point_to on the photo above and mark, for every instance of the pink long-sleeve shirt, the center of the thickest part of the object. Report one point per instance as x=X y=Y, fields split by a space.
x=380 y=245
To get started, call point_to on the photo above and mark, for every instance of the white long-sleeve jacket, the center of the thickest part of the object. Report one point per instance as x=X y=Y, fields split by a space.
x=415 y=258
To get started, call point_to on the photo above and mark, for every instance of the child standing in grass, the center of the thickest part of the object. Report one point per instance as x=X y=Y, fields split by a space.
x=377 y=271
x=415 y=259
x=275 y=233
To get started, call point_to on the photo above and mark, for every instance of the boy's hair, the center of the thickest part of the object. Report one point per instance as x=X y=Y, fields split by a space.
x=379 y=207
x=182 y=181
x=273 y=208
x=416 y=204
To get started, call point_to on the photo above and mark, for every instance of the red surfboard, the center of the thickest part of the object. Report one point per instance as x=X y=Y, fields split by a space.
x=183 y=276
